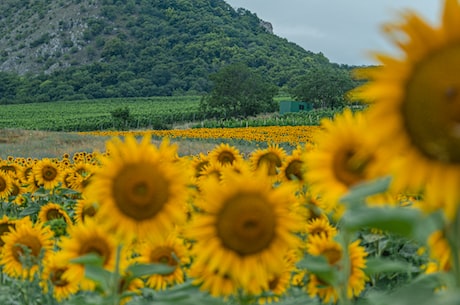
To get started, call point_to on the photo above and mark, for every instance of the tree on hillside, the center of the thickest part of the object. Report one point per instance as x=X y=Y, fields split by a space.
x=239 y=92
x=324 y=86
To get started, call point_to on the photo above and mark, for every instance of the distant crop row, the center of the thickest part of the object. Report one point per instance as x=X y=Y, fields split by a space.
x=87 y=115
x=144 y=113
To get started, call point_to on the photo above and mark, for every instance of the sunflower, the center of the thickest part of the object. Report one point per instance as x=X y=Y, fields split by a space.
x=225 y=154
x=80 y=176
x=6 y=185
x=170 y=251
x=320 y=226
x=440 y=251
x=52 y=211
x=86 y=238
x=344 y=157
x=278 y=284
x=271 y=157
x=294 y=167
x=416 y=103
x=213 y=281
x=24 y=247
x=6 y=225
x=245 y=228
x=141 y=189
x=52 y=277
x=84 y=209
x=321 y=245
x=47 y=173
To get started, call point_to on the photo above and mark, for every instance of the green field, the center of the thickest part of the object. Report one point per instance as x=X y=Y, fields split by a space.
x=85 y=115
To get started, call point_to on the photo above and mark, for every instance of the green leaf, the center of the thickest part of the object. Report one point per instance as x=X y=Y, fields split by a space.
x=89 y=259
x=30 y=210
x=320 y=267
x=99 y=275
x=139 y=270
x=403 y=221
x=380 y=265
x=365 y=189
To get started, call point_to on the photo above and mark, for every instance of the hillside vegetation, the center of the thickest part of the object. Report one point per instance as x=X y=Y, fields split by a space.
x=85 y=49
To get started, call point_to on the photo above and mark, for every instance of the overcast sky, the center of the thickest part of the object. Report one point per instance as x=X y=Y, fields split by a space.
x=345 y=31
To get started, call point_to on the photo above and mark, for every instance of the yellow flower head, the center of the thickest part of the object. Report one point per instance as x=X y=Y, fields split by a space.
x=141 y=189
x=345 y=156
x=416 y=103
x=47 y=173
x=245 y=228
x=25 y=246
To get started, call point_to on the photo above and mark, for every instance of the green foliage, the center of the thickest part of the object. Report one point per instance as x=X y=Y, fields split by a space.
x=102 y=114
x=238 y=91
x=167 y=47
x=324 y=86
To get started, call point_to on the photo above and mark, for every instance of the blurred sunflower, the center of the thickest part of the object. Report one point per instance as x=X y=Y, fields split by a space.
x=320 y=226
x=52 y=211
x=321 y=245
x=6 y=224
x=47 y=173
x=271 y=157
x=212 y=281
x=141 y=189
x=278 y=284
x=416 y=103
x=84 y=209
x=25 y=246
x=80 y=176
x=225 y=154
x=86 y=238
x=294 y=167
x=440 y=250
x=345 y=156
x=245 y=228
x=52 y=279
x=170 y=251
x=6 y=185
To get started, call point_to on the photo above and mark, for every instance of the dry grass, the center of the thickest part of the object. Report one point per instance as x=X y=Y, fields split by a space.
x=45 y=144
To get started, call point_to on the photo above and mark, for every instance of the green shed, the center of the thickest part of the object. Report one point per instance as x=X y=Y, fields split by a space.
x=294 y=106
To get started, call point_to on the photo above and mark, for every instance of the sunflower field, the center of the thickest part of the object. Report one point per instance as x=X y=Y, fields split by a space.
x=363 y=211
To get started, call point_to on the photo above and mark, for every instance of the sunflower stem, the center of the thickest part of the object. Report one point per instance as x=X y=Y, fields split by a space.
x=345 y=271
x=453 y=233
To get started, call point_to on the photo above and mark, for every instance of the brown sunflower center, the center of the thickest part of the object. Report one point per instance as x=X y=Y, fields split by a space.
x=140 y=191
x=431 y=107
x=246 y=224
x=226 y=157
x=56 y=277
x=349 y=166
x=53 y=214
x=3 y=184
x=97 y=246
x=29 y=242
x=333 y=255
x=294 y=170
x=271 y=160
x=49 y=173
x=88 y=211
x=163 y=255
x=5 y=228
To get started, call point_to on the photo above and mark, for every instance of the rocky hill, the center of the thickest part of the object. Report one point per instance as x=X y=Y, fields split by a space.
x=72 y=49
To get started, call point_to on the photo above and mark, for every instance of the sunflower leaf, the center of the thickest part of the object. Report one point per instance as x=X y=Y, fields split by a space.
x=99 y=275
x=89 y=259
x=139 y=270
x=365 y=189
x=376 y=265
x=30 y=210
x=319 y=266
x=403 y=221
